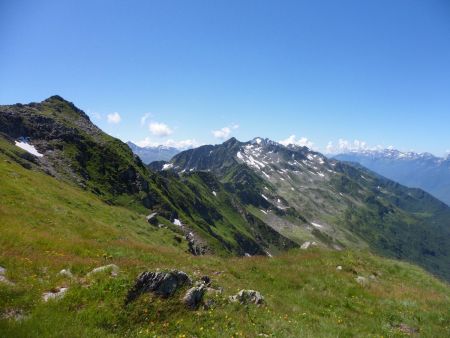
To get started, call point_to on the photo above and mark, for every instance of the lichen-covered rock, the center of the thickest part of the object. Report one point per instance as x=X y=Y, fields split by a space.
x=3 y=278
x=194 y=296
x=110 y=267
x=362 y=280
x=65 y=273
x=247 y=297
x=54 y=294
x=164 y=284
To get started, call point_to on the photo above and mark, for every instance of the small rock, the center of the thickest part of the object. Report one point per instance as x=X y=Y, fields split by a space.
x=362 y=280
x=13 y=314
x=54 y=294
x=307 y=245
x=339 y=268
x=194 y=296
x=152 y=218
x=206 y=280
x=213 y=291
x=407 y=329
x=65 y=273
x=3 y=278
x=247 y=255
x=113 y=267
x=248 y=296
x=164 y=284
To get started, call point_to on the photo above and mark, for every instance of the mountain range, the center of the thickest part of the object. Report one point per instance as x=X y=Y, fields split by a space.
x=150 y=154
x=309 y=198
x=81 y=214
x=417 y=170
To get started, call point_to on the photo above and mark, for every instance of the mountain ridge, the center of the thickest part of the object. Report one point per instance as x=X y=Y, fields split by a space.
x=313 y=198
x=421 y=170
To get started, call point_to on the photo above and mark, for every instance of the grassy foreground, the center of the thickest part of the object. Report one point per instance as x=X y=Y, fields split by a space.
x=46 y=226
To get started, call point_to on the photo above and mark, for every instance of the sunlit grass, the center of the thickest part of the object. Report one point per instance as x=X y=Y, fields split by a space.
x=47 y=226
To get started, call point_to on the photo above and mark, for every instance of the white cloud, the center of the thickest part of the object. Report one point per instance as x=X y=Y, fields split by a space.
x=225 y=132
x=302 y=141
x=114 y=118
x=343 y=146
x=183 y=144
x=222 y=133
x=159 y=129
x=144 y=118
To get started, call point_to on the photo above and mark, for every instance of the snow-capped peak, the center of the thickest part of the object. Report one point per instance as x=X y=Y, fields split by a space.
x=392 y=154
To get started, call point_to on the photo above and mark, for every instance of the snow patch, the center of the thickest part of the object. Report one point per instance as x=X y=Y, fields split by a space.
x=176 y=221
x=167 y=166
x=214 y=193
x=28 y=147
x=317 y=225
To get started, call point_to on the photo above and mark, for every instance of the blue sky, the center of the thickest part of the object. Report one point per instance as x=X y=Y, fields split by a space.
x=374 y=71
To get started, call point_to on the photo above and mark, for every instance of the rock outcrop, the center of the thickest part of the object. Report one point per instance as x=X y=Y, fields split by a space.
x=164 y=284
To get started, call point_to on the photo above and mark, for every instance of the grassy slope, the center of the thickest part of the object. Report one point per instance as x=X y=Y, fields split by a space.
x=400 y=222
x=47 y=225
x=83 y=154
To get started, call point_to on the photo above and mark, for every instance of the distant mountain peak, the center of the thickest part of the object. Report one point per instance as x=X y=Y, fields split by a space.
x=149 y=154
x=390 y=153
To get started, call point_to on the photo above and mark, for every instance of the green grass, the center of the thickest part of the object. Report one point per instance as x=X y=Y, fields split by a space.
x=47 y=225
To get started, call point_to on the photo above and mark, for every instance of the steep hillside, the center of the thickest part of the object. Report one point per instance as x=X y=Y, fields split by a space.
x=69 y=147
x=307 y=197
x=47 y=225
x=424 y=171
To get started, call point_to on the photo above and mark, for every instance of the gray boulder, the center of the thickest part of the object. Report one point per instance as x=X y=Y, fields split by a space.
x=65 y=273
x=54 y=294
x=164 y=284
x=247 y=297
x=194 y=296
x=110 y=267
x=362 y=280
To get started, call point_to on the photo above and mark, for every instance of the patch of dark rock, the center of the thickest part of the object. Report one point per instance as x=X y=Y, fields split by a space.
x=206 y=280
x=164 y=284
